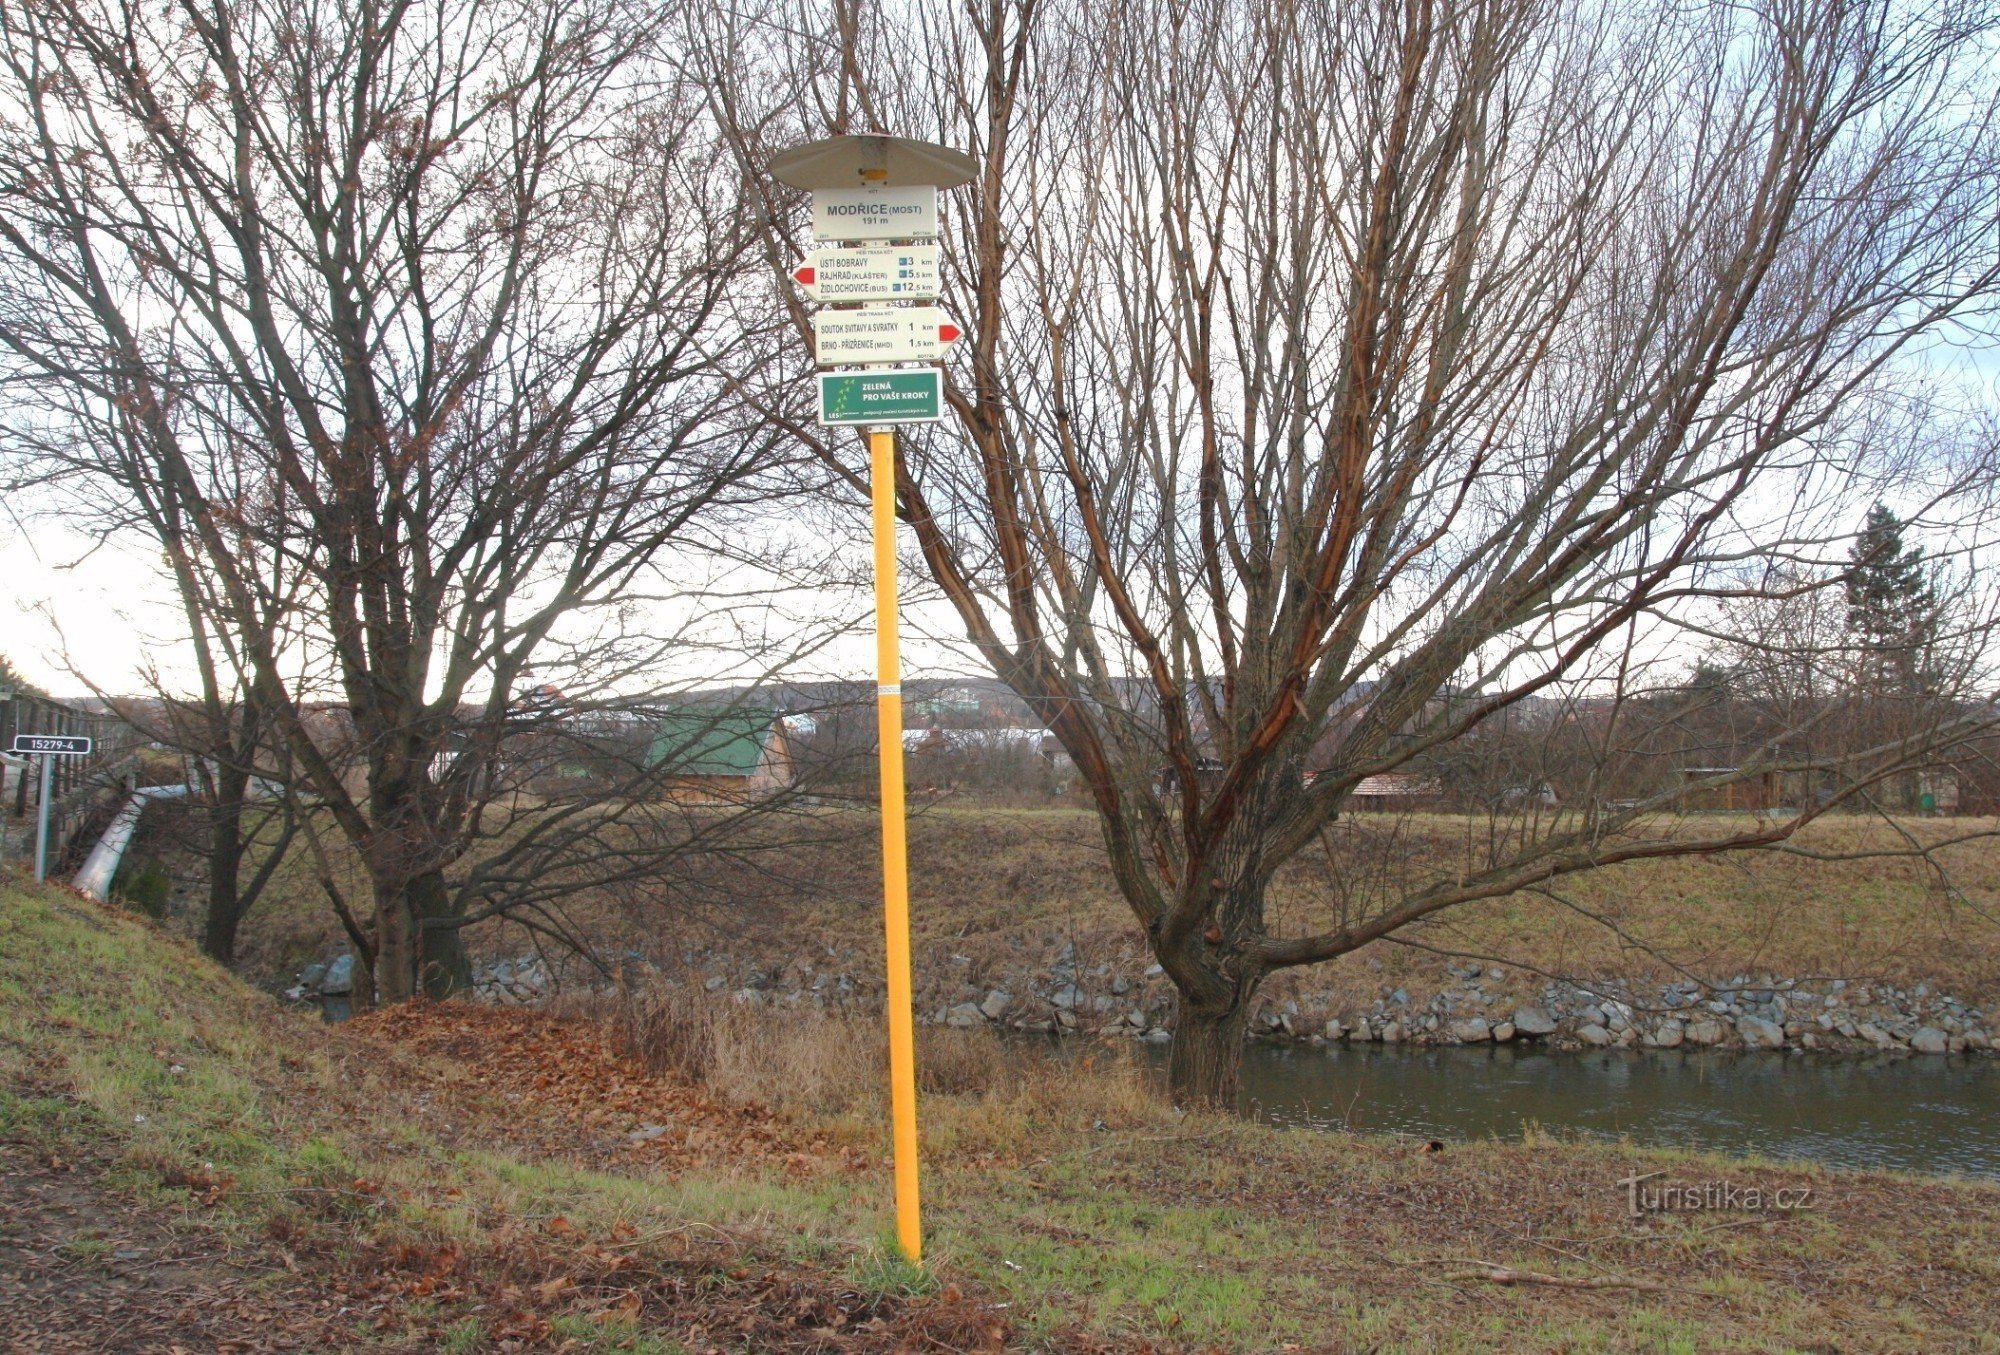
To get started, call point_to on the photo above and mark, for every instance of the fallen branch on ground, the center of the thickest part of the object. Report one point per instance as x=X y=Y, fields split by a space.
x=1493 y=1274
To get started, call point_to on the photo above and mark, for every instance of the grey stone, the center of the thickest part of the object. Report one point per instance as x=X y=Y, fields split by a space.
x=1066 y=997
x=1758 y=1033
x=715 y=983
x=1704 y=1032
x=965 y=1016
x=1503 y=1032
x=994 y=1005
x=339 y=977
x=1392 y=1033
x=1333 y=1030
x=646 y=1133
x=1593 y=1015
x=1157 y=1036
x=1929 y=1040
x=1121 y=985
x=1534 y=1022
x=1475 y=1031
x=1594 y=1035
x=312 y=975
x=1666 y=1035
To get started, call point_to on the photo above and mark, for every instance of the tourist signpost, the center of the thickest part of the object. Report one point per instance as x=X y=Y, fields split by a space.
x=870 y=335
x=878 y=196
x=898 y=395
x=874 y=211
x=48 y=747
x=870 y=273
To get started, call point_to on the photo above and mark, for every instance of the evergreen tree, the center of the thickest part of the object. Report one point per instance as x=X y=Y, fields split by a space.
x=1892 y=608
x=12 y=682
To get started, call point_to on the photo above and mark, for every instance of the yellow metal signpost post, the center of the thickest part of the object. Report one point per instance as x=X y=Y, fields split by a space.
x=895 y=853
x=871 y=189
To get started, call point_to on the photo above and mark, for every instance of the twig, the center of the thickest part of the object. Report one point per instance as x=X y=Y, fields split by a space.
x=1497 y=1274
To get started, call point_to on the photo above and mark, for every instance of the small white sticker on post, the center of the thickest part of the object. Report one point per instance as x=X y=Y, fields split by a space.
x=875 y=212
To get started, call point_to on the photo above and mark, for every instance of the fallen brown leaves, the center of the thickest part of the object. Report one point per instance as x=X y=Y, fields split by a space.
x=549 y=1066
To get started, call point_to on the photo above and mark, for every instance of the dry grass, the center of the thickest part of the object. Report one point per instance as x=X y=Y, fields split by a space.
x=981 y=1088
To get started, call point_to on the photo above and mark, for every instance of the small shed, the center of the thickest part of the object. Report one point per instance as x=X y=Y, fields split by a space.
x=1755 y=792
x=721 y=757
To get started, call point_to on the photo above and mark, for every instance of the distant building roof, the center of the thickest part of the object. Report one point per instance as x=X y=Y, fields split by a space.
x=711 y=743
x=1394 y=783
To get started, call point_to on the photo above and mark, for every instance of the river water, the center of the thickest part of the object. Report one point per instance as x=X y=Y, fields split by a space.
x=1926 y=1114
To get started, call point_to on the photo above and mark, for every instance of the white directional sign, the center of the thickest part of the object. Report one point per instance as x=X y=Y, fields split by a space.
x=870 y=273
x=882 y=334
x=875 y=212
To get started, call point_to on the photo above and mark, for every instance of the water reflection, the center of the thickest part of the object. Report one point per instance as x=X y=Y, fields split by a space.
x=1917 y=1114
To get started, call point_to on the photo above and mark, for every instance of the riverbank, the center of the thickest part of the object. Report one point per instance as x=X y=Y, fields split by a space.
x=460 y=1176
x=1130 y=999
x=1821 y=946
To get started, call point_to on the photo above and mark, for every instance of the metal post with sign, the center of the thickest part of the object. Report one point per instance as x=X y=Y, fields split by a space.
x=874 y=212
x=48 y=747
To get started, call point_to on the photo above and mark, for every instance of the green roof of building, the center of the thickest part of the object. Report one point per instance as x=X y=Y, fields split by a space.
x=709 y=742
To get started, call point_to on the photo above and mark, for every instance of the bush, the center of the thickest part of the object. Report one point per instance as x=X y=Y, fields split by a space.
x=145 y=890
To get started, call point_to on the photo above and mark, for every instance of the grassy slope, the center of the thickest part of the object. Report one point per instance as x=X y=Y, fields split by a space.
x=369 y=1159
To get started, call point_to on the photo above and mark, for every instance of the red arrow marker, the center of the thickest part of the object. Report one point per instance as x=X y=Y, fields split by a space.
x=949 y=333
x=805 y=275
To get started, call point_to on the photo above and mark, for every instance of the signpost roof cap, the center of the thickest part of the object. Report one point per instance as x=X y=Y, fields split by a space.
x=857 y=161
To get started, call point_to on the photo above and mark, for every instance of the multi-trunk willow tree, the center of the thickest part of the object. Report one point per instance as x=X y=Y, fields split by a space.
x=1345 y=378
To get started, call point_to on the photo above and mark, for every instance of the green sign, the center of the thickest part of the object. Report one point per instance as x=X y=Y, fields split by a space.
x=899 y=395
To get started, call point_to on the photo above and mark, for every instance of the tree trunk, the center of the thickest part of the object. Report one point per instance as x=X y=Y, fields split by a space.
x=412 y=959
x=225 y=859
x=1208 y=1053
x=442 y=965
x=395 y=943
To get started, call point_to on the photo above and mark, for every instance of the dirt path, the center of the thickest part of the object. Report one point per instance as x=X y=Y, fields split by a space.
x=84 y=1270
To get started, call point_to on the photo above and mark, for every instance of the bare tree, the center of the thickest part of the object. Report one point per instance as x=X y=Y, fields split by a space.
x=1344 y=375
x=413 y=324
